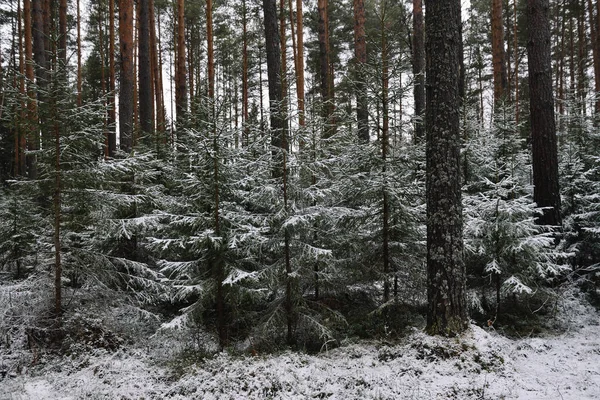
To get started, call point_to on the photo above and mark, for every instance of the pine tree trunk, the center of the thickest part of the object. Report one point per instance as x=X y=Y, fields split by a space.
x=384 y=153
x=126 y=74
x=419 y=69
x=19 y=131
x=360 y=59
x=62 y=32
x=180 y=87
x=156 y=73
x=594 y=28
x=278 y=137
x=300 y=66
x=543 y=128
x=498 y=60
x=245 y=126
x=447 y=312
x=79 y=78
x=325 y=68
x=41 y=75
x=112 y=115
x=146 y=95
x=517 y=63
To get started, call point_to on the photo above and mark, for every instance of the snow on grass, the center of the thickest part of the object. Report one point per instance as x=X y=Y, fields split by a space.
x=480 y=364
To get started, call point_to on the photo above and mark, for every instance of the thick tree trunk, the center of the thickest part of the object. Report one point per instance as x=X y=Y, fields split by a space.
x=419 y=69
x=146 y=95
x=360 y=60
x=498 y=61
x=126 y=75
x=541 y=104
x=41 y=75
x=447 y=312
x=278 y=137
x=79 y=78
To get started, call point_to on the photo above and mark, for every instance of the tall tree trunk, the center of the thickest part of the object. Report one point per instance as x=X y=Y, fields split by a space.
x=419 y=69
x=517 y=62
x=581 y=61
x=543 y=127
x=112 y=115
x=126 y=75
x=360 y=60
x=19 y=131
x=41 y=75
x=62 y=32
x=595 y=33
x=146 y=95
x=245 y=126
x=447 y=312
x=32 y=116
x=180 y=87
x=385 y=142
x=156 y=73
x=498 y=61
x=300 y=63
x=79 y=78
x=324 y=67
x=278 y=137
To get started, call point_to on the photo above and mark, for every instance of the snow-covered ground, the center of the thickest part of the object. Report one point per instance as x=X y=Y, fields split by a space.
x=479 y=365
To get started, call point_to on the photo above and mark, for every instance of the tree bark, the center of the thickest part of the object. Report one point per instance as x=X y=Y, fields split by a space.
x=112 y=117
x=278 y=138
x=180 y=87
x=498 y=61
x=300 y=67
x=594 y=28
x=146 y=95
x=541 y=106
x=126 y=75
x=419 y=69
x=447 y=312
x=325 y=68
x=360 y=59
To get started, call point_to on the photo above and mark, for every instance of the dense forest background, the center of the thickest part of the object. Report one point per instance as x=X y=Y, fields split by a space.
x=254 y=174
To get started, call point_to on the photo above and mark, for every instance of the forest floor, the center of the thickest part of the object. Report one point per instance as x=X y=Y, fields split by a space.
x=482 y=364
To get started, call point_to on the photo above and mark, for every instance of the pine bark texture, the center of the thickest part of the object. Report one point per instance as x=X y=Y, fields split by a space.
x=419 y=69
x=273 y=48
x=360 y=56
x=126 y=76
x=146 y=95
x=594 y=18
x=180 y=86
x=32 y=113
x=112 y=114
x=300 y=62
x=541 y=106
x=498 y=64
x=278 y=136
x=447 y=312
